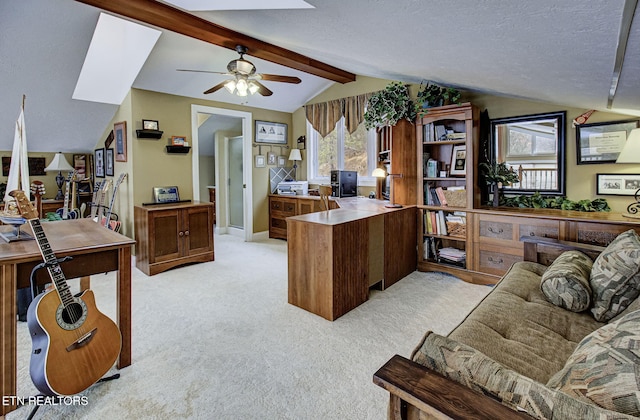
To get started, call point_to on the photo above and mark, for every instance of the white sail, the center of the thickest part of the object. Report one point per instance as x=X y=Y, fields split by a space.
x=19 y=169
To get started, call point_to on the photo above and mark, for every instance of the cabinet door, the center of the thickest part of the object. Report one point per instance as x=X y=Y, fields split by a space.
x=197 y=230
x=164 y=244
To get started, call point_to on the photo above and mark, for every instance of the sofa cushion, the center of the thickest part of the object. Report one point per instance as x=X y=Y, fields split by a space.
x=605 y=367
x=615 y=276
x=566 y=282
x=476 y=371
x=518 y=327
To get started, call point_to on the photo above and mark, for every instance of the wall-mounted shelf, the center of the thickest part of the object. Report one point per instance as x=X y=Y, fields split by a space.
x=178 y=149
x=149 y=134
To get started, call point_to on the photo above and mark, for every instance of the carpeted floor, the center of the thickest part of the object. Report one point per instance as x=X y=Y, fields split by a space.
x=219 y=341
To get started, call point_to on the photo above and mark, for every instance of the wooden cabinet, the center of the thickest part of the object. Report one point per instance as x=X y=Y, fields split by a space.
x=281 y=207
x=446 y=163
x=169 y=235
x=497 y=232
x=396 y=155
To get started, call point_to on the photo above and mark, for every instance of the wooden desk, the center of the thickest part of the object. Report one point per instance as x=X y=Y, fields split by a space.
x=94 y=250
x=334 y=257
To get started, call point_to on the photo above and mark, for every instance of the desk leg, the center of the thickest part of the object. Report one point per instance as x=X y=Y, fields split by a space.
x=8 y=335
x=124 y=304
x=85 y=283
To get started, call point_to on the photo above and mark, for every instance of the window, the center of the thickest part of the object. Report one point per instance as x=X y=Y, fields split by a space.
x=343 y=151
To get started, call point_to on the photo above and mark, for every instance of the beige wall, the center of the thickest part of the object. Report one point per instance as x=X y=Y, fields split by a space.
x=153 y=166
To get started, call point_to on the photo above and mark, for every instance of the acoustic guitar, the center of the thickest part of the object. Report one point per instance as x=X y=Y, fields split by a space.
x=66 y=212
x=73 y=343
x=114 y=224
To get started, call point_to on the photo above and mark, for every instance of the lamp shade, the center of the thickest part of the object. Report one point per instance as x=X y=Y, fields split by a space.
x=295 y=155
x=631 y=151
x=59 y=163
x=379 y=173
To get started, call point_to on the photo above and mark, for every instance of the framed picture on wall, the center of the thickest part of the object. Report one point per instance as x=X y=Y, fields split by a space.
x=617 y=184
x=271 y=132
x=109 y=162
x=120 y=134
x=99 y=161
x=602 y=142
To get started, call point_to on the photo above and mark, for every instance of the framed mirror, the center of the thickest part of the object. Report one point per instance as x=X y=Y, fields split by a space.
x=534 y=146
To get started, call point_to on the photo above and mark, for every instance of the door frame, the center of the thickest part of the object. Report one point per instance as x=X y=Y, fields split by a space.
x=227 y=176
x=247 y=160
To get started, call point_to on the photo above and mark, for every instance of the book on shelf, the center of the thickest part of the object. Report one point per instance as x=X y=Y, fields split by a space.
x=441 y=197
x=432 y=168
x=440 y=132
x=456 y=136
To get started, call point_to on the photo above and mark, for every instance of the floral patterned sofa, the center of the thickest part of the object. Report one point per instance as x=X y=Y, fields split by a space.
x=557 y=342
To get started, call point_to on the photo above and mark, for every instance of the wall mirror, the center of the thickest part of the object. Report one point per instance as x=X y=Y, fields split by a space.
x=534 y=146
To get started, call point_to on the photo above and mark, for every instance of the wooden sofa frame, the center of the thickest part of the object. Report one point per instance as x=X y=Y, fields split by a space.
x=410 y=383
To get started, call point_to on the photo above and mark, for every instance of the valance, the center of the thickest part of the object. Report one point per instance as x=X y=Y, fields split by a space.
x=324 y=116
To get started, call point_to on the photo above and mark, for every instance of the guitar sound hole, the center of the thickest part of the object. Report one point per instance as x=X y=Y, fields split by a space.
x=72 y=313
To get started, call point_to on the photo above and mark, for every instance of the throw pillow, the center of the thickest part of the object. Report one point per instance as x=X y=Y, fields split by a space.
x=566 y=282
x=603 y=369
x=615 y=276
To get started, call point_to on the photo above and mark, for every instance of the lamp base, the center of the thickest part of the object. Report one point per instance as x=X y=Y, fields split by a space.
x=393 y=206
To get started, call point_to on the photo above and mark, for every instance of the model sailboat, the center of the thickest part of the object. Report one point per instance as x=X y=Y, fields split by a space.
x=18 y=180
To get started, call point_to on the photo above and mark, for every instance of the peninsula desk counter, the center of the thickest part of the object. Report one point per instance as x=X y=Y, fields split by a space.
x=335 y=256
x=94 y=249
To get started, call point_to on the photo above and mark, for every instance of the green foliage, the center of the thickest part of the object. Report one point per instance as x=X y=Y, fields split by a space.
x=431 y=95
x=537 y=201
x=389 y=106
x=498 y=173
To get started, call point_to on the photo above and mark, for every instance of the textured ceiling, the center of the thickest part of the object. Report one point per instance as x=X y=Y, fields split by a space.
x=558 y=52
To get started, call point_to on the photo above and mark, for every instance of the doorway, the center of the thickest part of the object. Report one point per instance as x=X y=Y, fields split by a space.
x=232 y=167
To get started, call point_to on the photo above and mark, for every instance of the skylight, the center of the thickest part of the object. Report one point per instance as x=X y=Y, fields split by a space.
x=202 y=5
x=117 y=52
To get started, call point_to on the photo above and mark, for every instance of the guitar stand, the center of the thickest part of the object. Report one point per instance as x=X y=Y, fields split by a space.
x=34 y=293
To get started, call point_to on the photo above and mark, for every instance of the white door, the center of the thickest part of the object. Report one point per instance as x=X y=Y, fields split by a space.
x=235 y=183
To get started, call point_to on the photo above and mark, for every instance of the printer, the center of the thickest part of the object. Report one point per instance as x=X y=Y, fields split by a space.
x=293 y=188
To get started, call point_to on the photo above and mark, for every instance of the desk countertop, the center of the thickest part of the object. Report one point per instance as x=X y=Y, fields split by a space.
x=63 y=236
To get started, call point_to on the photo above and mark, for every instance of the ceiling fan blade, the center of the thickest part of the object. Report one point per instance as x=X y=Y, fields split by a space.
x=205 y=71
x=264 y=91
x=215 y=88
x=278 y=78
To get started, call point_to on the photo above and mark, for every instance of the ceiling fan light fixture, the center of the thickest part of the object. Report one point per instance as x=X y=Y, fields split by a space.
x=242 y=87
x=230 y=86
x=253 y=87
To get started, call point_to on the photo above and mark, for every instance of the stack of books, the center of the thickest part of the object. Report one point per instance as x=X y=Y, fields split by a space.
x=453 y=255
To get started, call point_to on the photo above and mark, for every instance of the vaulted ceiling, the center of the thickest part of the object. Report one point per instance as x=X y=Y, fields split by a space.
x=558 y=52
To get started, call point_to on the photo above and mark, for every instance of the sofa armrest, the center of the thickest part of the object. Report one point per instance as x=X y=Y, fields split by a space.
x=534 y=244
x=432 y=393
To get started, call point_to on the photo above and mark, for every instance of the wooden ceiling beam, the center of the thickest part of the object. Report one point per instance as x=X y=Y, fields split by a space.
x=170 y=18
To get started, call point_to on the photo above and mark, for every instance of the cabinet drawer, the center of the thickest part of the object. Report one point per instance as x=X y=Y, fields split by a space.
x=496 y=229
x=496 y=262
x=598 y=233
x=278 y=223
x=284 y=207
x=549 y=229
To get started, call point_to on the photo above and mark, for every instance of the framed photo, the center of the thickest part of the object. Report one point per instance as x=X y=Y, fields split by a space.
x=108 y=140
x=109 y=162
x=602 y=142
x=36 y=166
x=166 y=194
x=99 y=160
x=80 y=165
x=617 y=184
x=271 y=158
x=282 y=161
x=458 y=160
x=271 y=132
x=260 y=161
x=150 y=125
x=178 y=140
x=120 y=134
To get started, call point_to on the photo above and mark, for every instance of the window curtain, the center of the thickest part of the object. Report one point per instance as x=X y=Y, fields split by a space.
x=324 y=116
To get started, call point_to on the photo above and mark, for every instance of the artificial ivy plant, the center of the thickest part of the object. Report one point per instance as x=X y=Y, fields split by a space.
x=538 y=201
x=431 y=94
x=388 y=106
x=498 y=175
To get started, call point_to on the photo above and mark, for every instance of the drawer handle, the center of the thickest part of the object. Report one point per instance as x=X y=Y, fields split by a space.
x=181 y=234
x=544 y=235
x=497 y=232
x=498 y=261
x=186 y=233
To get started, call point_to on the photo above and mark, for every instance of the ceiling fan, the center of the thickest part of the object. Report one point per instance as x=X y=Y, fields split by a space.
x=245 y=79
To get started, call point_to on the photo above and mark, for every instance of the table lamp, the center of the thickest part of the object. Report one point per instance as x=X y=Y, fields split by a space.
x=59 y=163
x=631 y=154
x=295 y=157
x=380 y=173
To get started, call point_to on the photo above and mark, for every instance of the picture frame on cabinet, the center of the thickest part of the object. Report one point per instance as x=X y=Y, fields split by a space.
x=99 y=162
x=109 y=162
x=458 y=161
x=602 y=142
x=617 y=184
x=166 y=194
